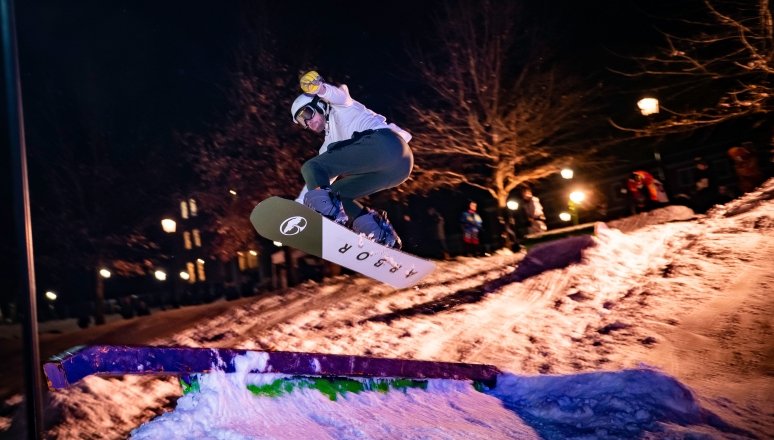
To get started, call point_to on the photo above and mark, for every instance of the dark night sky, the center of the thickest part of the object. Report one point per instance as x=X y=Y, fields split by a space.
x=142 y=69
x=160 y=63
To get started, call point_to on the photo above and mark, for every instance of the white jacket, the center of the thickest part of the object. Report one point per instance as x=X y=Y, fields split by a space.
x=346 y=116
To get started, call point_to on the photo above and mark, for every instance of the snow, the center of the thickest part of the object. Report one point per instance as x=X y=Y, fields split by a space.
x=664 y=331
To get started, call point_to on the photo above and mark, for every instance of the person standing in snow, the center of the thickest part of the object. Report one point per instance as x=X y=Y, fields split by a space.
x=746 y=167
x=471 y=226
x=645 y=192
x=536 y=220
x=705 y=193
x=438 y=232
x=361 y=155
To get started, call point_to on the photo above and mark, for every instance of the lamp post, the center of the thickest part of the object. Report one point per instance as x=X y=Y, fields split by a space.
x=51 y=297
x=576 y=198
x=169 y=226
x=649 y=106
x=510 y=228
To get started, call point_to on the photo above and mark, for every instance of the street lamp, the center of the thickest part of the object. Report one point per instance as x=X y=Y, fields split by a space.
x=648 y=106
x=510 y=234
x=51 y=295
x=576 y=198
x=567 y=173
x=104 y=273
x=565 y=216
x=160 y=275
x=168 y=225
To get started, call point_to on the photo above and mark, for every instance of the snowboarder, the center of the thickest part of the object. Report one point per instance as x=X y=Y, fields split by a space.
x=361 y=155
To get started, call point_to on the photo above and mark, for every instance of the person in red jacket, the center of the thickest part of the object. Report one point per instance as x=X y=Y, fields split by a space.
x=645 y=192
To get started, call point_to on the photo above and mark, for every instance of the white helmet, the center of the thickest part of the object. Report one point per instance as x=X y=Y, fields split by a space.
x=312 y=100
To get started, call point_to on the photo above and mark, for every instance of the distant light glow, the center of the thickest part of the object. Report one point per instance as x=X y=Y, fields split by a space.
x=168 y=225
x=648 y=106
x=567 y=173
x=160 y=275
x=577 y=196
x=565 y=216
x=104 y=273
x=253 y=253
x=232 y=192
x=512 y=205
x=278 y=244
x=51 y=295
x=185 y=276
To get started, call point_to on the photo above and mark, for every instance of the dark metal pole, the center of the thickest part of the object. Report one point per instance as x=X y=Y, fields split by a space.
x=33 y=382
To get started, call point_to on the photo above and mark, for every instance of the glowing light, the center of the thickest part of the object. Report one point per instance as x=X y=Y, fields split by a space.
x=253 y=253
x=104 y=273
x=168 y=225
x=565 y=216
x=567 y=173
x=51 y=295
x=512 y=205
x=577 y=196
x=185 y=276
x=232 y=192
x=648 y=106
x=278 y=244
x=160 y=275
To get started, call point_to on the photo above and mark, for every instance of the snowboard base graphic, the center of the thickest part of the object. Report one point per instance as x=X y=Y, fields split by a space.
x=297 y=226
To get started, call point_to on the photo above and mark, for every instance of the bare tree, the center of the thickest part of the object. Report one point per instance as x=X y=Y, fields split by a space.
x=92 y=200
x=253 y=152
x=498 y=111
x=718 y=68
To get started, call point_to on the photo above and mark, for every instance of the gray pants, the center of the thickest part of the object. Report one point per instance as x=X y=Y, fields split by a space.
x=369 y=162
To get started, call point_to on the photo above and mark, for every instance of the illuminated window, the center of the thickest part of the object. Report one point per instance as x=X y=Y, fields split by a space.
x=242 y=260
x=183 y=209
x=200 y=269
x=187 y=239
x=197 y=238
x=192 y=204
x=252 y=260
x=191 y=269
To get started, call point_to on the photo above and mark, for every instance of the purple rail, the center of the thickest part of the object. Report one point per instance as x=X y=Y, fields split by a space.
x=73 y=365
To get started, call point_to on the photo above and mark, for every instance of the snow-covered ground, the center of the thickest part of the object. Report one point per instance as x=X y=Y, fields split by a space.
x=661 y=332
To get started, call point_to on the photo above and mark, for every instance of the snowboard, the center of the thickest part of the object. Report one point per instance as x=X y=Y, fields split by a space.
x=297 y=226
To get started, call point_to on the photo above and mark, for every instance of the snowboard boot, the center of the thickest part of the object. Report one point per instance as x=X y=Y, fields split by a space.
x=326 y=203
x=376 y=227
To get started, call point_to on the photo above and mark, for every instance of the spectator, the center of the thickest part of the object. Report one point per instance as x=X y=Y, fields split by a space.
x=533 y=210
x=438 y=232
x=746 y=167
x=645 y=192
x=705 y=193
x=471 y=226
